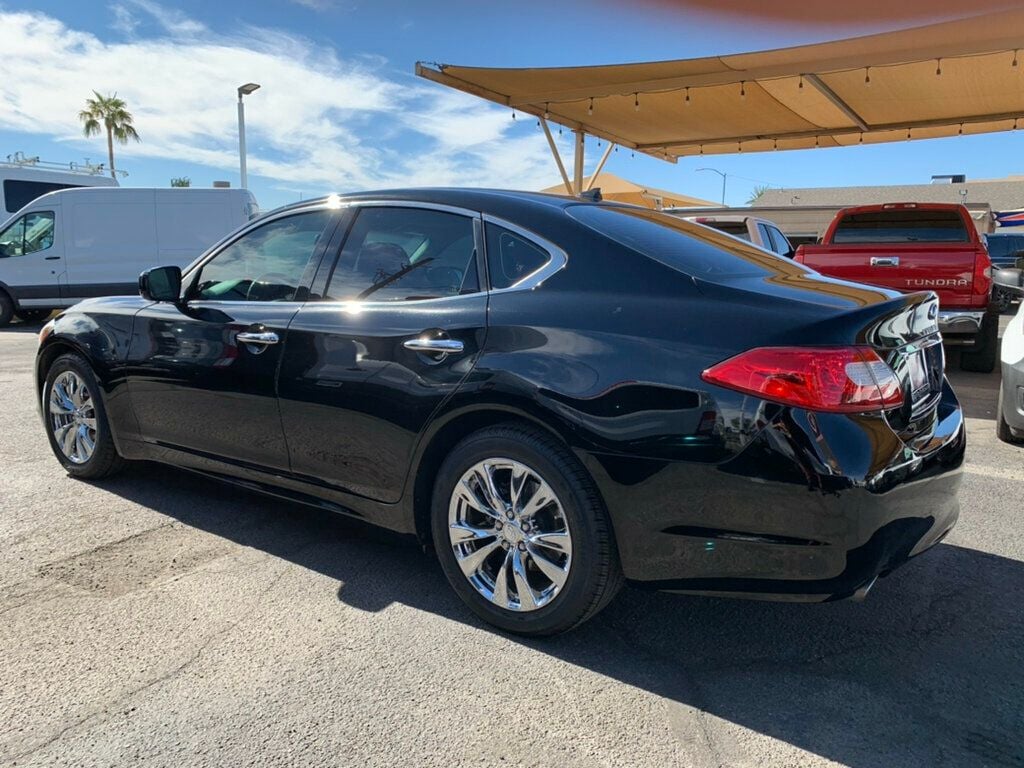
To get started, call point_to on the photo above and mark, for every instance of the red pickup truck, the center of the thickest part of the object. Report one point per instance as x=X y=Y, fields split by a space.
x=918 y=247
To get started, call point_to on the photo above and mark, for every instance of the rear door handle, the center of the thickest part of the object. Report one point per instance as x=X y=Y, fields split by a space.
x=885 y=261
x=444 y=346
x=50 y=258
x=258 y=337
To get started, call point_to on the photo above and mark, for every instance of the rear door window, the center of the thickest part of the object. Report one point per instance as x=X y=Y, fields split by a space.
x=405 y=254
x=902 y=225
x=734 y=228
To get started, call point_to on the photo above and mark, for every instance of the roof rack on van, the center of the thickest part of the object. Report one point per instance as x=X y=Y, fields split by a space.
x=20 y=160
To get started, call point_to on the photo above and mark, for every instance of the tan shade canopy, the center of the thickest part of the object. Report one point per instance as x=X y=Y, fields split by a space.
x=964 y=76
x=624 y=191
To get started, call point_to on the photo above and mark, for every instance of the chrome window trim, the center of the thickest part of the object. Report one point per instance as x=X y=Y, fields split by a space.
x=557 y=257
x=468 y=212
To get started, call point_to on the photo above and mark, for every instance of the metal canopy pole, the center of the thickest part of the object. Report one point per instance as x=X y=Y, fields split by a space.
x=558 y=157
x=577 y=171
x=600 y=165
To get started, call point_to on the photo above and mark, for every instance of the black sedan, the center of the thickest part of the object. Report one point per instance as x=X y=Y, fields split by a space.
x=556 y=394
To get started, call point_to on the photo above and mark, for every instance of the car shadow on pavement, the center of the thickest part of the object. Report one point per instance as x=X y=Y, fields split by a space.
x=928 y=671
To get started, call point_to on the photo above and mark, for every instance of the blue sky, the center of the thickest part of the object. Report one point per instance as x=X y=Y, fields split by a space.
x=341 y=110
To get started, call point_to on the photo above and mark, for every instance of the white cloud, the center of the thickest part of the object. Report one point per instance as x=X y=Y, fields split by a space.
x=319 y=121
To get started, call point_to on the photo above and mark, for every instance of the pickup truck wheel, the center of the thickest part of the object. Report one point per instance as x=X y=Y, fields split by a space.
x=981 y=358
x=6 y=309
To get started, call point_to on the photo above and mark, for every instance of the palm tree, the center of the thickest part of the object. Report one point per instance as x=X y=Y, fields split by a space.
x=112 y=114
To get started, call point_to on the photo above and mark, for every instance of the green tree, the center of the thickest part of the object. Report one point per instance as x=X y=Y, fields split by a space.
x=181 y=181
x=111 y=114
x=757 y=193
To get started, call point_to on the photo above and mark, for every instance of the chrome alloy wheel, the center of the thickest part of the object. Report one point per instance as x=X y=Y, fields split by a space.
x=510 y=534
x=72 y=417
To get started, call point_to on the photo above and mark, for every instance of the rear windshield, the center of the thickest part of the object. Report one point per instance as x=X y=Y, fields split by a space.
x=734 y=228
x=675 y=242
x=908 y=225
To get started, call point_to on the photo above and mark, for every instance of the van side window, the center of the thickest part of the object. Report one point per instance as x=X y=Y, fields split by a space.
x=31 y=233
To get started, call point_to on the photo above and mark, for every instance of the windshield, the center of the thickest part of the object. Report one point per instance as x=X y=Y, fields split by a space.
x=690 y=248
x=904 y=225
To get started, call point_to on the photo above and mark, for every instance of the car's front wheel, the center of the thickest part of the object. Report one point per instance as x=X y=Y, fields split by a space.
x=521 y=532
x=76 y=420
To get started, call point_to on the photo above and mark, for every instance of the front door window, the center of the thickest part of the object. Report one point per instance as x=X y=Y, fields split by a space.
x=31 y=233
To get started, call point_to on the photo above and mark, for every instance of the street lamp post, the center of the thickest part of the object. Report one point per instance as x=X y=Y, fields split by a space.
x=243 y=90
x=725 y=177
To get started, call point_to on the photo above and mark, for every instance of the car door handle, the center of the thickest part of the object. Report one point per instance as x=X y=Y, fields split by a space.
x=258 y=337
x=444 y=346
x=885 y=261
x=51 y=258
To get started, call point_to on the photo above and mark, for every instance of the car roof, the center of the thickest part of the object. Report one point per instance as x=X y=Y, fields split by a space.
x=478 y=199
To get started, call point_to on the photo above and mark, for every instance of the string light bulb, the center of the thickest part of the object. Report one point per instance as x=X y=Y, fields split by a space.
x=1014 y=62
x=960 y=130
x=743 y=89
x=867 y=76
x=800 y=85
x=636 y=102
x=686 y=101
x=908 y=134
x=547 y=112
x=938 y=67
x=513 y=114
x=590 y=109
x=861 y=139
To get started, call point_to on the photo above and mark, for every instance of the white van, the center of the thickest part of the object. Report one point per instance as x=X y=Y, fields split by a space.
x=77 y=243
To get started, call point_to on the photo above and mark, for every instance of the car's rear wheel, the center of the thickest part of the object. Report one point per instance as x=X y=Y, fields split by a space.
x=1003 y=430
x=521 y=532
x=76 y=420
x=981 y=358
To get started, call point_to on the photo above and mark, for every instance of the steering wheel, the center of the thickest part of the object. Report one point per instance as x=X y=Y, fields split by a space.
x=272 y=283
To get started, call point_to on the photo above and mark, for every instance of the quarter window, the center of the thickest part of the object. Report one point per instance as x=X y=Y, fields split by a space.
x=405 y=254
x=266 y=263
x=511 y=257
x=30 y=233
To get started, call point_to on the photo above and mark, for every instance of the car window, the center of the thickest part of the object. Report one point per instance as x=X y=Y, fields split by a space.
x=782 y=244
x=511 y=257
x=404 y=254
x=675 y=242
x=734 y=228
x=30 y=233
x=766 y=237
x=266 y=263
x=902 y=226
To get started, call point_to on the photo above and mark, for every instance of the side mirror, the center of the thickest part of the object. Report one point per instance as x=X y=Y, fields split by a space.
x=1009 y=279
x=161 y=284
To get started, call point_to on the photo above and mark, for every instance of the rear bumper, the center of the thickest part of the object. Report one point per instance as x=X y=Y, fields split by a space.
x=959 y=322
x=815 y=507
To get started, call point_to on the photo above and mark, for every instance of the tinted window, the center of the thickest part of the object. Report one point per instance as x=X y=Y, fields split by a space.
x=511 y=257
x=902 y=226
x=779 y=241
x=18 y=194
x=396 y=254
x=266 y=263
x=1004 y=247
x=30 y=233
x=675 y=242
x=734 y=228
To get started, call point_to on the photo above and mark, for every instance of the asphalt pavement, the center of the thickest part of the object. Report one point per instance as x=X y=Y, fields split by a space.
x=162 y=619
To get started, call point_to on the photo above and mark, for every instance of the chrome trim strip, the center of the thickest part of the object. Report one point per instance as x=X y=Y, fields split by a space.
x=557 y=261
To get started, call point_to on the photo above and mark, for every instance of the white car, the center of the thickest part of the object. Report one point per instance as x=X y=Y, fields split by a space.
x=757 y=231
x=1010 y=411
x=75 y=244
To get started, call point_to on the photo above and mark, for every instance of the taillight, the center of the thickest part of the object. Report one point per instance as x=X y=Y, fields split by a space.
x=982 y=273
x=835 y=379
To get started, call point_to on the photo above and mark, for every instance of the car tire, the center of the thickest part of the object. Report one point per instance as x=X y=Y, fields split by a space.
x=1003 y=430
x=981 y=358
x=33 y=316
x=582 y=574
x=6 y=309
x=76 y=419
x=1003 y=300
